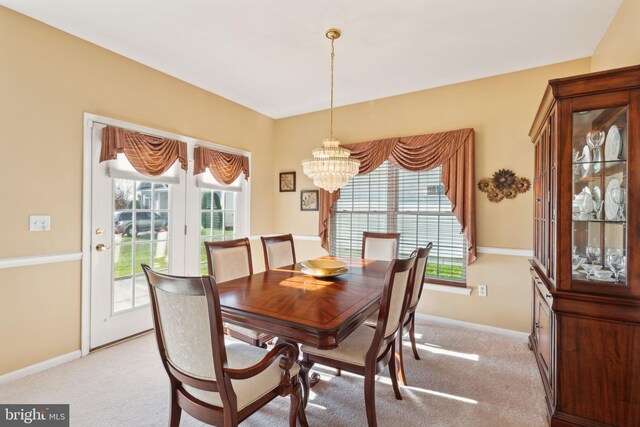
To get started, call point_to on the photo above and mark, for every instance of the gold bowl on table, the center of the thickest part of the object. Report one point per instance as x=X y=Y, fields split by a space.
x=324 y=267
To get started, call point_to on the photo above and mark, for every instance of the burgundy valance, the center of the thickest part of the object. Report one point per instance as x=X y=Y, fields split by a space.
x=225 y=167
x=453 y=150
x=149 y=155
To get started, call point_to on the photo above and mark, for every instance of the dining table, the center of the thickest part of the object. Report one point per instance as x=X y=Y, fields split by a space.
x=301 y=309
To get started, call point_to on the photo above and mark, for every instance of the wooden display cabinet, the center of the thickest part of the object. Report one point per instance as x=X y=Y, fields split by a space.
x=586 y=267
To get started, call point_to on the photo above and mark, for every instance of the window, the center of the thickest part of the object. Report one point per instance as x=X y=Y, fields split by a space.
x=141 y=235
x=217 y=220
x=392 y=200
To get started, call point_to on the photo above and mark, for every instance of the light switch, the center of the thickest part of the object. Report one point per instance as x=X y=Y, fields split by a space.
x=39 y=222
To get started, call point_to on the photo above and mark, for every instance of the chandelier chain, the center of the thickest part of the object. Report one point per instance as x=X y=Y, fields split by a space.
x=331 y=109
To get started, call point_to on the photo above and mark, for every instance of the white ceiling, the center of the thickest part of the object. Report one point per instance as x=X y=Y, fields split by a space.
x=272 y=55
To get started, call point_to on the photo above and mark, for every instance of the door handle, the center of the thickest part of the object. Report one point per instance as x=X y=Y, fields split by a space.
x=101 y=247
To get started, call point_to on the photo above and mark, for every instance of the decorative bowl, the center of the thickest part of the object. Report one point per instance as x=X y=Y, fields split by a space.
x=324 y=267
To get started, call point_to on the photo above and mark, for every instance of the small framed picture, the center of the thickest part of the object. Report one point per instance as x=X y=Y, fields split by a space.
x=287 y=181
x=309 y=200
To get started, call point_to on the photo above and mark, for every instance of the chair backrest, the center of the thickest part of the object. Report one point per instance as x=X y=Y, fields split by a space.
x=380 y=246
x=393 y=302
x=188 y=328
x=419 y=273
x=279 y=251
x=229 y=260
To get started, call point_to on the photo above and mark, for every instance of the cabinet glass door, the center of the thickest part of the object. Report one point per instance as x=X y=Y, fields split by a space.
x=599 y=204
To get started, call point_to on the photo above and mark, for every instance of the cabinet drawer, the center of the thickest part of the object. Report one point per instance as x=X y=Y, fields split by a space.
x=542 y=289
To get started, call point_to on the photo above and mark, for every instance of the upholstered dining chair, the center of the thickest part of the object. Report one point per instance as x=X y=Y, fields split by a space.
x=409 y=323
x=217 y=382
x=367 y=351
x=228 y=260
x=279 y=251
x=380 y=246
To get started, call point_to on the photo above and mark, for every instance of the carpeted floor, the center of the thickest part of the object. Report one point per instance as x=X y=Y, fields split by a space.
x=466 y=378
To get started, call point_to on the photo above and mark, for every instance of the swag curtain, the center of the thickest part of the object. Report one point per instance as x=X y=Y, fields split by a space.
x=225 y=167
x=454 y=150
x=149 y=155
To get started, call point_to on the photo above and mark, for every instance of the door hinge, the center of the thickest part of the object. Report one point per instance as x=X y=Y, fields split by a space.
x=185 y=230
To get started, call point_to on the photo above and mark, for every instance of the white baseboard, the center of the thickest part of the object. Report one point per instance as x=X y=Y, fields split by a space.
x=39 y=367
x=524 y=336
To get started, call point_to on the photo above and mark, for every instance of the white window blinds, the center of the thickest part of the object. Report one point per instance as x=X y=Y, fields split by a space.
x=392 y=200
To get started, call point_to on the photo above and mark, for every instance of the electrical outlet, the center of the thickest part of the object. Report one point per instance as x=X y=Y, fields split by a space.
x=482 y=290
x=39 y=222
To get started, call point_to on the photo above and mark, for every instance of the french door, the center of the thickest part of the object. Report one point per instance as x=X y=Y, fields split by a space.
x=135 y=219
x=159 y=221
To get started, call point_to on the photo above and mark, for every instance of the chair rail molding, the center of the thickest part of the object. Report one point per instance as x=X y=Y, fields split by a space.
x=25 y=261
x=505 y=251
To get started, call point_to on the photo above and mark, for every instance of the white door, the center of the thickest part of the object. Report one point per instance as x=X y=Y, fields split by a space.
x=135 y=219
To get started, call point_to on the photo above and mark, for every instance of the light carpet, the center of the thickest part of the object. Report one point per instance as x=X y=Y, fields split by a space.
x=466 y=377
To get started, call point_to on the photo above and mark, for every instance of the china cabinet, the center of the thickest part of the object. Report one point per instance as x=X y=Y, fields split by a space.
x=586 y=268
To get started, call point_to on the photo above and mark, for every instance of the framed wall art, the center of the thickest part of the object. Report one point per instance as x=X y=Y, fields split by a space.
x=287 y=182
x=309 y=200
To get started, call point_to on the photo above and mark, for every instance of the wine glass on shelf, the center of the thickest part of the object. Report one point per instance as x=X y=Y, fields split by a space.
x=618 y=195
x=595 y=138
x=593 y=254
x=617 y=263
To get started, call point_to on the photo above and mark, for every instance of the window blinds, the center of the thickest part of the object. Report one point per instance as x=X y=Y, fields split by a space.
x=393 y=200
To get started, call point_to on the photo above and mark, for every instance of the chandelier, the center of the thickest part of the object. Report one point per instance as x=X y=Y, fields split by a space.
x=331 y=167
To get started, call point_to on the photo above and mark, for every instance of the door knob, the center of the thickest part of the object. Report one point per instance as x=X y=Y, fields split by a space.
x=101 y=248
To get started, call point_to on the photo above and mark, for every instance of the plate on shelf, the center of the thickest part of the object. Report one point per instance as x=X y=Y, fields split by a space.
x=613 y=144
x=586 y=160
x=610 y=207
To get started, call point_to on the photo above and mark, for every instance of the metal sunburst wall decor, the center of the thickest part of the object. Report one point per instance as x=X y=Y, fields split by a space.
x=504 y=184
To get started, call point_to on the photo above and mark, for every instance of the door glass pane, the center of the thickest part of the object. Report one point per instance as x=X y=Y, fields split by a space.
x=141 y=235
x=217 y=223
x=229 y=201
x=217 y=220
x=141 y=290
x=599 y=196
x=229 y=223
x=143 y=226
x=122 y=194
x=122 y=294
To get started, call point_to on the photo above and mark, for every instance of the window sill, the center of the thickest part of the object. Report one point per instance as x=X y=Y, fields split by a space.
x=447 y=289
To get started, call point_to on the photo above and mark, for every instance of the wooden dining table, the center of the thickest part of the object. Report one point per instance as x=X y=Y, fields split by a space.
x=301 y=309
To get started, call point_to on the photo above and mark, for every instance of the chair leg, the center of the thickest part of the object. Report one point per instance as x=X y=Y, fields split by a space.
x=303 y=375
x=412 y=336
x=370 y=398
x=400 y=362
x=296 y=412
x=393 y=373
x=176 y=410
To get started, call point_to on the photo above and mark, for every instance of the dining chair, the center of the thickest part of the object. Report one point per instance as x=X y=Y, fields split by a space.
x=409 y=323
x=367 y=351
x=228 y=260
x=217 y=382
x=380 y=246
x=279 y=251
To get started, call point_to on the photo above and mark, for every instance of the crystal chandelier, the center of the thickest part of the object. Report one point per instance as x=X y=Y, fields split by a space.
x=331 y=167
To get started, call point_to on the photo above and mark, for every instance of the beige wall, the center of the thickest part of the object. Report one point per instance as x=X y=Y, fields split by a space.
x=48 y=79
x=501 y=110
x=620 y=46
